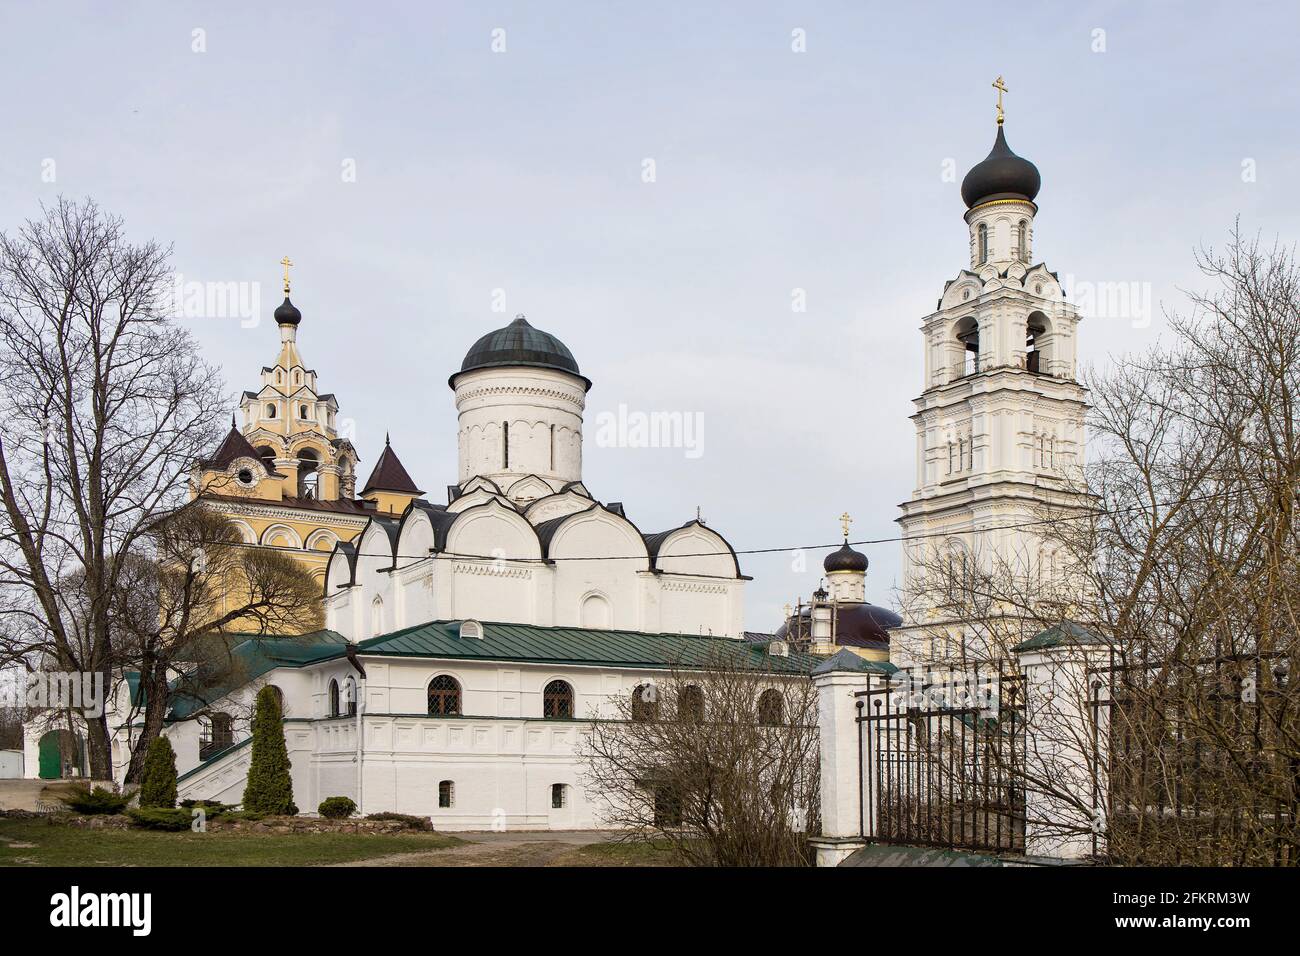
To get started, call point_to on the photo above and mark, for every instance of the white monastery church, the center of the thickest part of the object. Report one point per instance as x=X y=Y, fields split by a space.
x=468 y=643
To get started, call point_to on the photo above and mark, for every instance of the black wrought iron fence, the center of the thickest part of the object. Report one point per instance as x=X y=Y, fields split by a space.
x=1202 y=760
x=941 y=761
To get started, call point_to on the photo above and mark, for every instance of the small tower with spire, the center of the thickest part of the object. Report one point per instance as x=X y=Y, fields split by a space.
x=390 y=487
x=846 y=569
x=293 y=426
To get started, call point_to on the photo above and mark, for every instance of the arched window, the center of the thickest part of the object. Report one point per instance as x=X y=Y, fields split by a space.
x=308 y=477
x=645 y=702
x=376 y=616
x=690 y=705
x=771 y=708
x=446 y=794
x=982 y=233
x=557 y=701
x=1022 y=241
x=444 y=696
x=1035 y=333
x=968 y=334
x=334 y=698
x=270 y=409
x=217 y=734
x=559 y=796
x=350 y=697
x=267 y=454
x=302 y=412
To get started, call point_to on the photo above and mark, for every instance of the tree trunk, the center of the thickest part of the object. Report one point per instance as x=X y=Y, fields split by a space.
x=153 y=682
x=99 y=748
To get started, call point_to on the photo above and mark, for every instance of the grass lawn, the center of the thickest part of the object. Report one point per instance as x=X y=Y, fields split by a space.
x=656 y=853
x=69 y=846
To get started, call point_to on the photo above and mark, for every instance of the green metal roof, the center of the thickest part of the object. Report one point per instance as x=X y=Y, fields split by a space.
x=253 y=655
x=529 y=643
x=517 y=643
x=846 y=660
x=1058 y=635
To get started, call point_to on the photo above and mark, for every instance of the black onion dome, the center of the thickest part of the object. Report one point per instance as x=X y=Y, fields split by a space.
x=519 y=344
x=1000 y=175
x=845 y=559
x=287 y=313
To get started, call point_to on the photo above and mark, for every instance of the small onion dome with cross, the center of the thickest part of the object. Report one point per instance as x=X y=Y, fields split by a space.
x=520 y=345
x=287 y=313
x=845 y=559
x=1001 y=174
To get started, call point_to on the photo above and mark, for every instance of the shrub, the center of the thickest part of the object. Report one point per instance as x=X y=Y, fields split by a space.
x=337 y=808
x=213 y=808
x=415 y=823
x=242 y=815
x=158 y=780
x=270 y=788
x=95 y=802
x=160 y=818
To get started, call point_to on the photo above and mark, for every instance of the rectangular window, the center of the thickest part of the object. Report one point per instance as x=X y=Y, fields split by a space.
x=446 y=794
x=505 y=444
x=559 y=796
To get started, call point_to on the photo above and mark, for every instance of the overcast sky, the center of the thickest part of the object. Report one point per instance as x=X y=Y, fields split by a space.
x=524 y=170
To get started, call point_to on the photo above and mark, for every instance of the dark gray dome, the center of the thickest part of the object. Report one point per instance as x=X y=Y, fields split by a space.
x=519 y=344
x=1000 y=175
x=845 y=559
x=856 y=625
x=287 y=313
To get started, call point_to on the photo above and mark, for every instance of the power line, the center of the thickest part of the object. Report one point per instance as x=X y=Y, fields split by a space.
x=866 y=542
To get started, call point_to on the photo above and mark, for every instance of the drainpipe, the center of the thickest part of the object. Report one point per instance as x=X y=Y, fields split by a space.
x=360 y=703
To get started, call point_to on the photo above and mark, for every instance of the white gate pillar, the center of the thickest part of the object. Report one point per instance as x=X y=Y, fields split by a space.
x=845 y=806
x=1066 y=743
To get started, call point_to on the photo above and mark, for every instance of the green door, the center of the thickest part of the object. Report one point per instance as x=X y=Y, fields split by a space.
x=60 y=752
x=51 y=760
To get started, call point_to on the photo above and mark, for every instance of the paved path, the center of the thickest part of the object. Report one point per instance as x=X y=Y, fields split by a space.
x=521 y=848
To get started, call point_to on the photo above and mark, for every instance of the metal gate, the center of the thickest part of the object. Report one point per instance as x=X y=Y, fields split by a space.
x=941 y=760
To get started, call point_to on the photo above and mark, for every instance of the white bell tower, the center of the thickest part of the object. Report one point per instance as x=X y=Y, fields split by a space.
x=1000 y=422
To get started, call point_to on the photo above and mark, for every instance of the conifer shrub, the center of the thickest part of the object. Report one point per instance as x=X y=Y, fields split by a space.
x=158 y=780
x=161 y=818
x=212 y=808
x=97 y=802
x=269 y=790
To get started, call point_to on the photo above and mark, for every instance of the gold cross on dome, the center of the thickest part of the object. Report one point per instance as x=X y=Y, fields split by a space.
x=286 y=262
x=1001 y=88
x=845 y=521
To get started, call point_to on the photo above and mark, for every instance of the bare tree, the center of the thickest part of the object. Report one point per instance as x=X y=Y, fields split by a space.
x=720 y=762
x=109 y=404
x=1182 y=554
x=180 y=614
